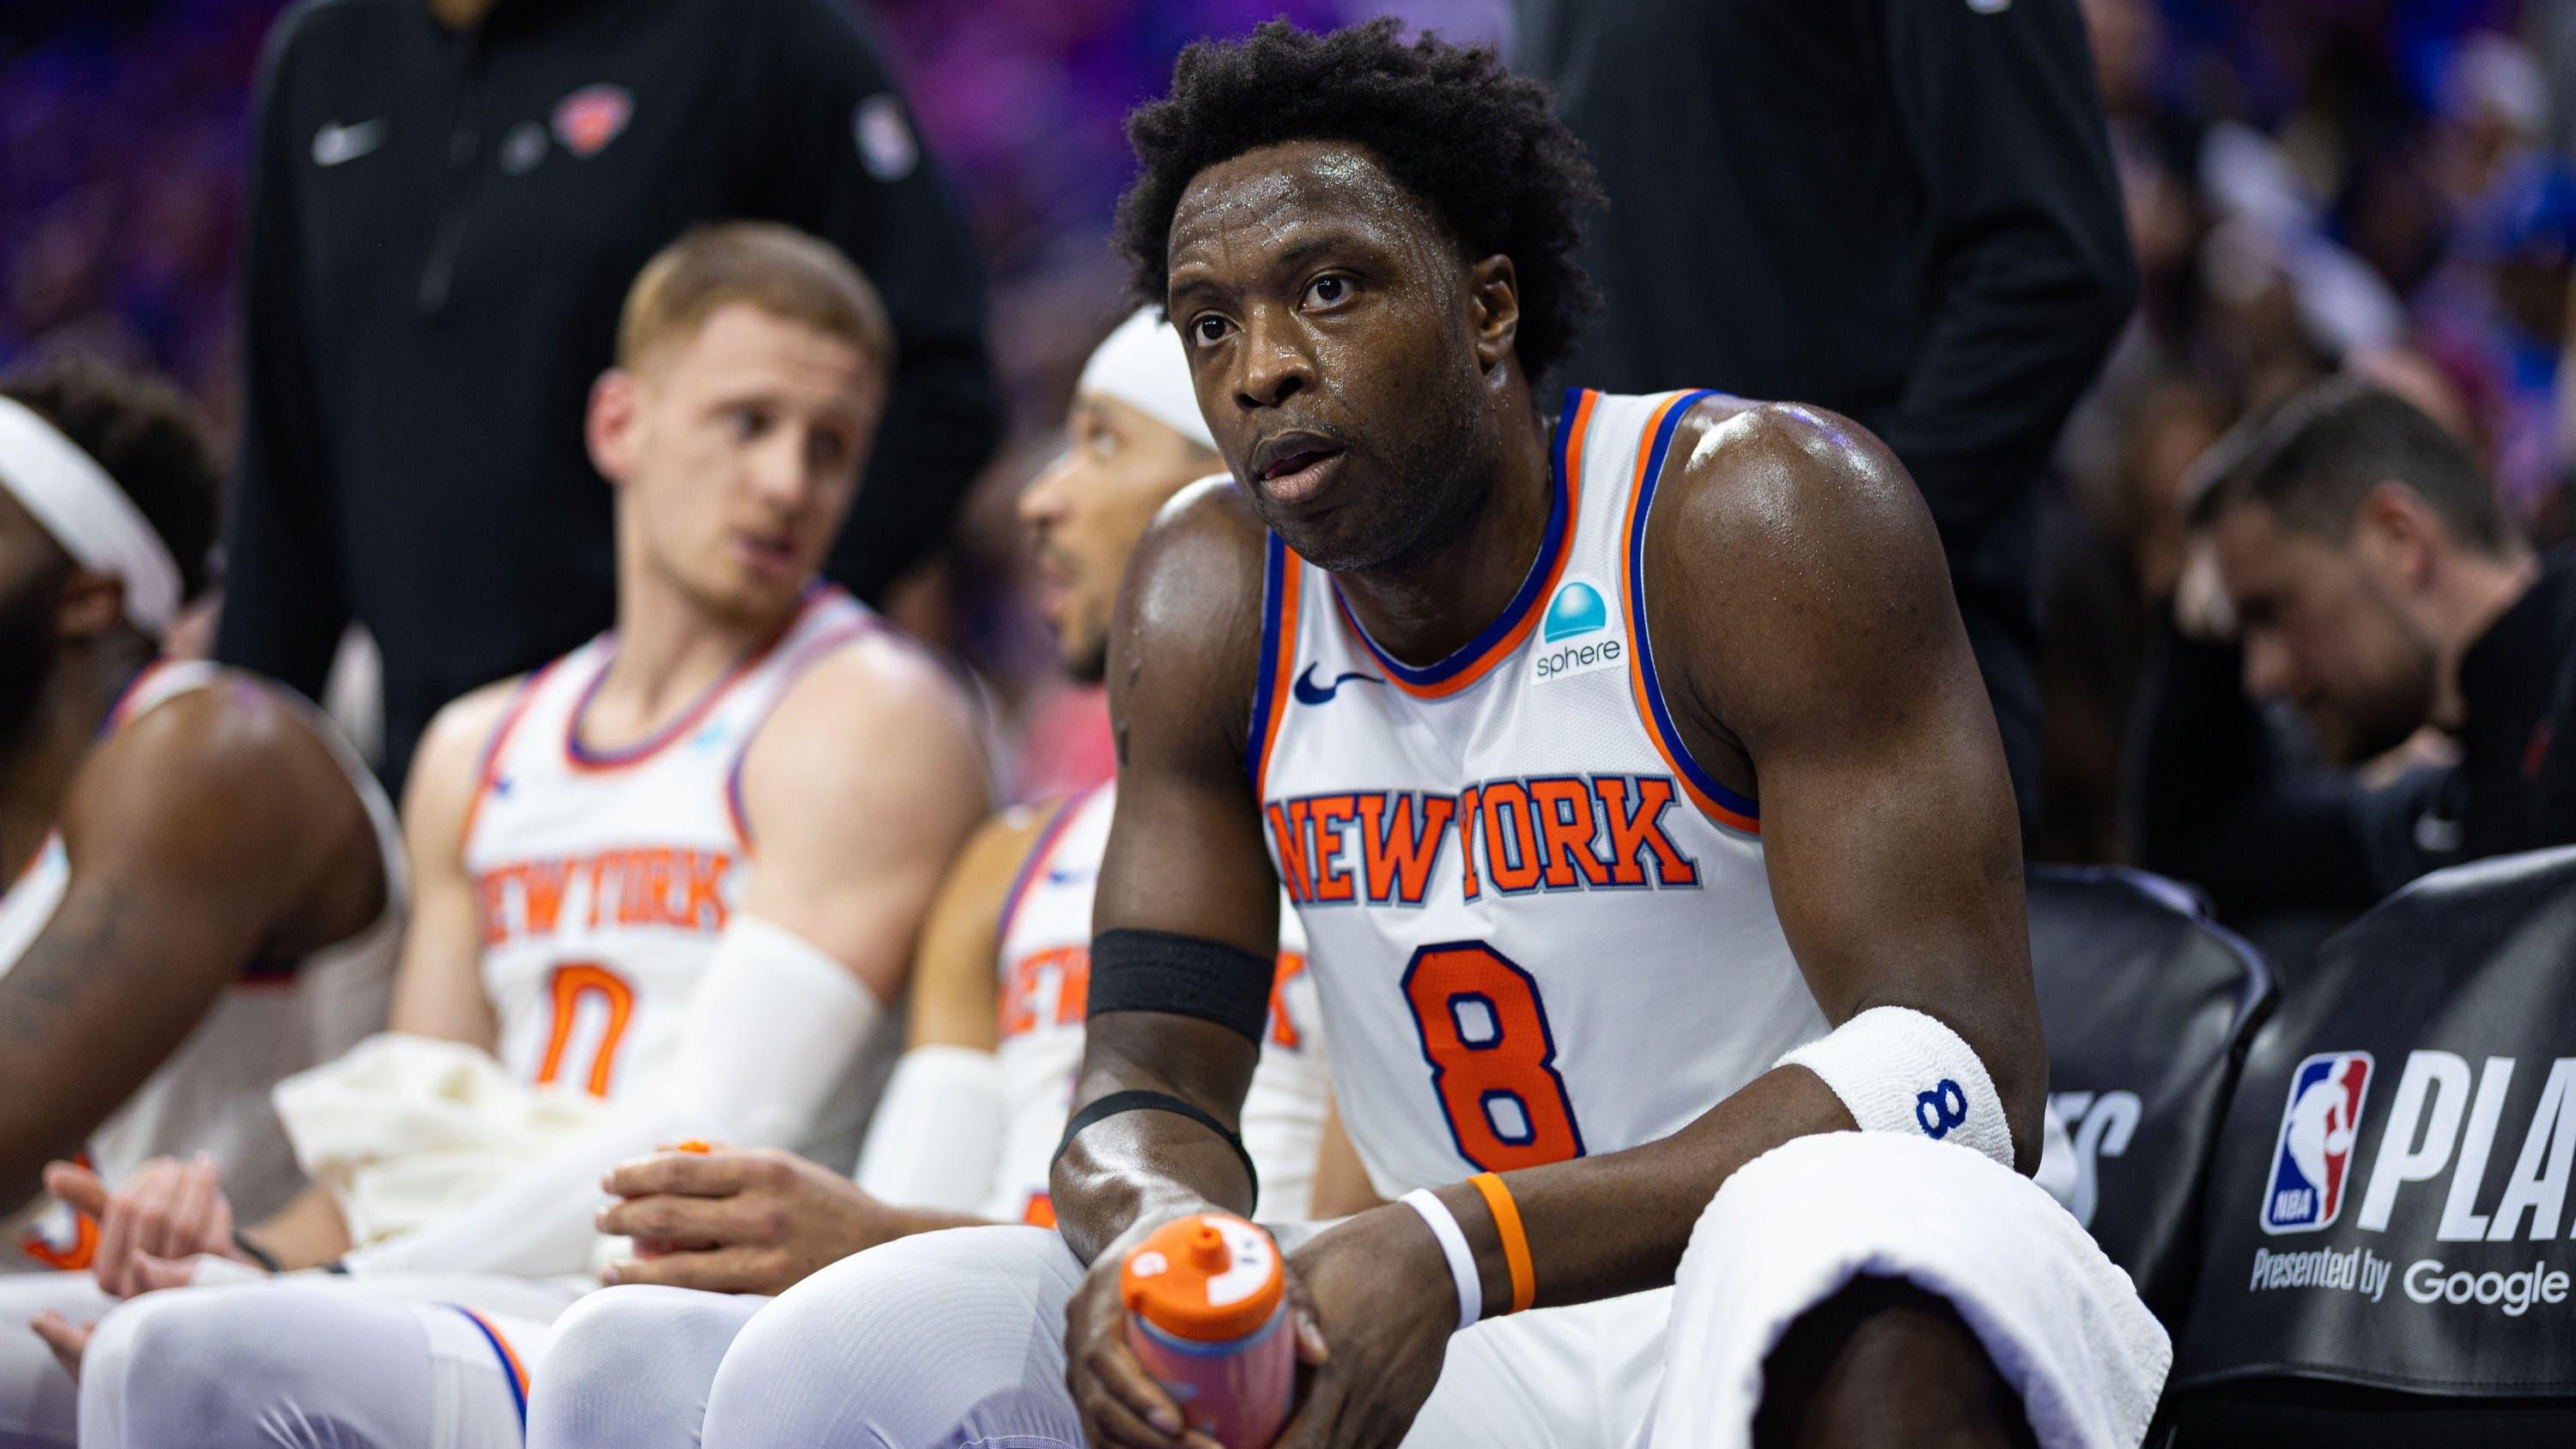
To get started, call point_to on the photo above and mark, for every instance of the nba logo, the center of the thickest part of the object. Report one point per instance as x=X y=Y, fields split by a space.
x=2314 y=1152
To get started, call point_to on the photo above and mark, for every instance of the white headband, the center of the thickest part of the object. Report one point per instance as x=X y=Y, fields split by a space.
x=73 y=499
x=1144 y=365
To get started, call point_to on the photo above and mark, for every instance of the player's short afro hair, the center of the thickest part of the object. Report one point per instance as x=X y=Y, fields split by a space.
x=1477 y=144
x=148 y=437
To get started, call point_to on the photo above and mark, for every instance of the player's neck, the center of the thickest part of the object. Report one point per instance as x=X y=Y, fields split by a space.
x=1424 y=608
x=36 y=769
x=671 y=649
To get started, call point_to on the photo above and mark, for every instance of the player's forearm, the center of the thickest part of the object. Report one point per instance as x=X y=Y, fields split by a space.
x=1598 y=1227
x=1132 y=1173
x=1149 y=1164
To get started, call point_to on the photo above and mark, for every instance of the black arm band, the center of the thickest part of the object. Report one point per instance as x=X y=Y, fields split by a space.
x=1144 y=1100
x=1182 y=976
x=257 y=1254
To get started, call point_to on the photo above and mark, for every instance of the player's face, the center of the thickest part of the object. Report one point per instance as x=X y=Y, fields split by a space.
x=740 y=453
x=32 y=571
x=1329 y=324
x=2325 y=634
x=1086 y=511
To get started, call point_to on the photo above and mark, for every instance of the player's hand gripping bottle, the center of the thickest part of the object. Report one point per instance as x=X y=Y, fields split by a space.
x=1207 y=1314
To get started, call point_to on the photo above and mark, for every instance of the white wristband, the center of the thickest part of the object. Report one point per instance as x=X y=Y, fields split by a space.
x=1899 y=1070
x=1453 y=1246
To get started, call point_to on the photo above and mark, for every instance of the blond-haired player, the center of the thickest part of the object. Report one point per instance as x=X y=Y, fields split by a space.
x=971 y=1119
x=683 y=865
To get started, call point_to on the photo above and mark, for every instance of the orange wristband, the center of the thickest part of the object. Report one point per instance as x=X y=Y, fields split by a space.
x=1507 y=1222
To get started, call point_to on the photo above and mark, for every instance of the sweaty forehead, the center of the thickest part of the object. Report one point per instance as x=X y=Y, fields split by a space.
x=1274 y=196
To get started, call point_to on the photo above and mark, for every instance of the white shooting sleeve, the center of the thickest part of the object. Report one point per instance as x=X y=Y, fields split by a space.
x=937 y=1139
x=773 y=1027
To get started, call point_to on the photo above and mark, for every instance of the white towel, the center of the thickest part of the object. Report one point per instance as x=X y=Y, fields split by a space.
x=2062 y=1323
x=406 y=1129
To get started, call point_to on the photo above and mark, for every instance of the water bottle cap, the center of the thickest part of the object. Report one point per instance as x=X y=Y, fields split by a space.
x=1208 y=1277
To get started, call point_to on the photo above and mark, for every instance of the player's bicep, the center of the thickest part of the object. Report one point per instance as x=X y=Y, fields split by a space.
x=858 y=792
x=1185 y=854
x=184 y=859
x=1833 y=653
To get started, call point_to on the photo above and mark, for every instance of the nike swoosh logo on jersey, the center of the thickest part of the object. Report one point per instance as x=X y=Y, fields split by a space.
x=1309 y=692
x=1063 y=877
x=335 y=143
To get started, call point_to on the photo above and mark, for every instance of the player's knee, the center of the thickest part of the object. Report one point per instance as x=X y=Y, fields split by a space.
x=163 y=1366
x=902 y=1345
x=632 y=1365
x=1883 y=1362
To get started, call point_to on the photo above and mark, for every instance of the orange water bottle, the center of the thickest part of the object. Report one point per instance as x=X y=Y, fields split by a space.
x=1207 y=1314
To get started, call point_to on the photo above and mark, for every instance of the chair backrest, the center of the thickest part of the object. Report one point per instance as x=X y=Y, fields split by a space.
x=2148 y=1007
x=2388 y=1258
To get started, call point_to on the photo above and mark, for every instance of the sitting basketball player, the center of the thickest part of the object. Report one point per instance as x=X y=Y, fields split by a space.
x=684 y=864
x=971 y=1118
x=1490 y=686
x=205 y=891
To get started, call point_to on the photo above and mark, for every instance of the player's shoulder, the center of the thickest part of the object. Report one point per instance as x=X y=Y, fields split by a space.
x=1197 y=573
x=225 y=719
x=880 y=715
x=1774 y=485
x=217 y=745
x=449 y=757
x=465 y=725
x=1210 y=520
x=880 y=674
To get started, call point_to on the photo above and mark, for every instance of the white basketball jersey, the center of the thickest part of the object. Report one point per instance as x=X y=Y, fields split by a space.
x=1045 y=965
x=1540 y=930
x=280 y=1017
x=607 y=877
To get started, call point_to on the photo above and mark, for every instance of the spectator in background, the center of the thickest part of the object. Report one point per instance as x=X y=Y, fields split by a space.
x=1899 y=209
x=447 y=199
x=2376 y=585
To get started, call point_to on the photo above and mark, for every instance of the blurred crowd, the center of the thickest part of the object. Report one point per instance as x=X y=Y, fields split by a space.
x=2379 y=187
x=2312 y=186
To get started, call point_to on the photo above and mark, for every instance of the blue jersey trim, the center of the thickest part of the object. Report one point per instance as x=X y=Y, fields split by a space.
x=1660 y=715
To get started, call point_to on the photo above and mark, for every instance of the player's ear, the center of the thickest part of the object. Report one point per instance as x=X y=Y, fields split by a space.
x=2396 y=530
x=1494 y=295
x=609 y=425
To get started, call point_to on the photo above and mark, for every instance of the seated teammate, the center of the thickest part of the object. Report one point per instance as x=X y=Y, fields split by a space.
x=971 y=1119
x=204 y=886
x=684 y=865
x=1489 y=682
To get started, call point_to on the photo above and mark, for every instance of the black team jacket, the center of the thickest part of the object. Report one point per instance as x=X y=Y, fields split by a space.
x=2216 y=802
x=442 y=227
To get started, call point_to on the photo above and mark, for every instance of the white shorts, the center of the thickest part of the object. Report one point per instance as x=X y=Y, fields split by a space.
x=958 y=1337
x=431 y=1361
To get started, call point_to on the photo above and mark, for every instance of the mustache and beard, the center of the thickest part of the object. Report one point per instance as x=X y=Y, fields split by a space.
x=2367 y=719
x=29 y=651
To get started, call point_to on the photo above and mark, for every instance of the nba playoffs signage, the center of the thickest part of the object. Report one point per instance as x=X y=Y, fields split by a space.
x=2390 y=1202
